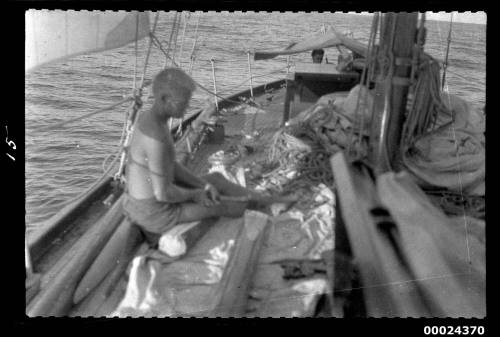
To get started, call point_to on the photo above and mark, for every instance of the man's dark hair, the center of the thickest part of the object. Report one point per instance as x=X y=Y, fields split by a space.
x=173 y=79
x=318 y=51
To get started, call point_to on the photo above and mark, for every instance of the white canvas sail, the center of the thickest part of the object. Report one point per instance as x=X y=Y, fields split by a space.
x=53 y=35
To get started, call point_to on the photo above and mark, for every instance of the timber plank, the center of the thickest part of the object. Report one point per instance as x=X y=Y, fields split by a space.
x=232 y=292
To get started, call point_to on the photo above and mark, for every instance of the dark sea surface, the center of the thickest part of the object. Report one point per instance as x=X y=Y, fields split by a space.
x=62 y=163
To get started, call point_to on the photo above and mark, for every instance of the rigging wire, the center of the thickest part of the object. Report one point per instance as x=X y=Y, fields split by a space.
x=160 y=46
x=363 y=79
x=179 y=128
x=136 y=105
x=110 y=167
x=174 y=54
x=182 y=39
x=445 y=65
x=58 y=125
x=192 y=57
x=279 y=70
x=170 y=40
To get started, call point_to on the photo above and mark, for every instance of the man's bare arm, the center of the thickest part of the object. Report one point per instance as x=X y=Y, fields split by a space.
x=161 y=164
x=184 y=175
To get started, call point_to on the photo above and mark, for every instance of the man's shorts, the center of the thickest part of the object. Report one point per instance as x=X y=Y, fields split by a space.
x=152 y=216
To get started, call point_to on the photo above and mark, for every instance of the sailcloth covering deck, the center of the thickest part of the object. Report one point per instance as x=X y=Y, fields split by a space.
x=56 y=34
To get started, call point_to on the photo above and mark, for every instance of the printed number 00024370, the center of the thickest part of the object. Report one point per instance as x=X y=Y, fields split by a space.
x=454 y=330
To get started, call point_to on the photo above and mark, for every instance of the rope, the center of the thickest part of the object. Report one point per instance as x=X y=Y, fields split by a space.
x=191 y=62
x=371 y=41
x=192 y=57
x=212 y=61
x=58 y=125
x=136 y=105
x=182 y=40
x=311 y=163
x=110 y=167
x=427 y=105
x=250 y=74
x=389 y=94
x=445 y=65
x=136 y=48
x=160 y=46
x=366 y=78
x=167 y=53
x=122 y=137
x=176 y=37
x=254 y=76
x=162 y=49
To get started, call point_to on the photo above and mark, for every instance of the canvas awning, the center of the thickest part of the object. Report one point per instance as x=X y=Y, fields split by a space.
x=330 y=38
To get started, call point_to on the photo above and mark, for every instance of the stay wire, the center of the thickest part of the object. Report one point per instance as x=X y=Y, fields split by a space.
x=110 y=167
x=159 y=45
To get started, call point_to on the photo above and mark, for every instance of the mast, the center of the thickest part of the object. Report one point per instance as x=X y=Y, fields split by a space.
x=393 y=57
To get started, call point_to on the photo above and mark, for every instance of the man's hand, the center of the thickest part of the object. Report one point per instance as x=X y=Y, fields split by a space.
x=207 y=116
x=209 y=197
x=212 y=193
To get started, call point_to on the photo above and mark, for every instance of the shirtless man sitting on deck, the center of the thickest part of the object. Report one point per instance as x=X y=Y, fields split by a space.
x=162 y=192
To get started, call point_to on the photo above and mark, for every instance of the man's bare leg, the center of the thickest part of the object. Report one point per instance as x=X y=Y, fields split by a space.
x=226 y=187
x=195 y=212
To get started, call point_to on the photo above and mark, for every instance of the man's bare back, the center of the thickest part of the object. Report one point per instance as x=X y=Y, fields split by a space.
x=138 y=172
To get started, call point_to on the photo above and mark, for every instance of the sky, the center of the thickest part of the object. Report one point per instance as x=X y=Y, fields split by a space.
x=466 y=17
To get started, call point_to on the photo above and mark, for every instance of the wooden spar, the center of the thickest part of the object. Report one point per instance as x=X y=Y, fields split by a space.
x=56 y=298
x=388 y=289
x=232 y=292
x=395 y=52
x=124 y=237
x=437 y=254
x=102 y=293
x=356 y=47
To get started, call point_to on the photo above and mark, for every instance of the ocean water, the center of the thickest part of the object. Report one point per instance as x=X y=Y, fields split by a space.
x=62 y=163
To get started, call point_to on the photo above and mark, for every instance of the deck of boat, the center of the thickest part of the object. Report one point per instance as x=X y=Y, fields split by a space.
x=243 y=120
x=239 y=120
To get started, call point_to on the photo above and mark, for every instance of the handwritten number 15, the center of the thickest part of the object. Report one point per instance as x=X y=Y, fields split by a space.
x=10 y=143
